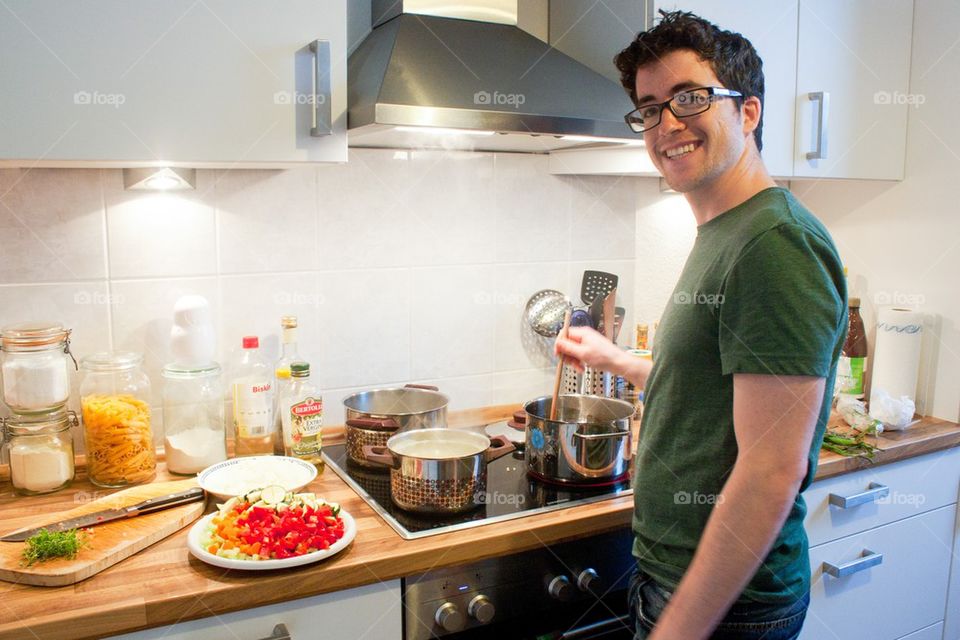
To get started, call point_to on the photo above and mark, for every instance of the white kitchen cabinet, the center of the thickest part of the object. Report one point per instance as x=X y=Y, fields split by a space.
x=228 y=83
x=857 y=52
x=373 y=611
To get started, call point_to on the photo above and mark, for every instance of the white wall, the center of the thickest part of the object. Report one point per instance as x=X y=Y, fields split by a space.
x=401 y=266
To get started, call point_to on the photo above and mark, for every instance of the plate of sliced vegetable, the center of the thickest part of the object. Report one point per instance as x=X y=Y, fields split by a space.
x=271 y=528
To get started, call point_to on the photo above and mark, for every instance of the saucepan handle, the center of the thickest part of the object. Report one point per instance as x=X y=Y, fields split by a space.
x=373 y=423
x=428 y=387
x=499 y=447
x=377 y=455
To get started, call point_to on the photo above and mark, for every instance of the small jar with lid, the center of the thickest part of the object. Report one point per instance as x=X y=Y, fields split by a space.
x=35 y=365
x=193 y=423
x=40 y=450
x=115 y=407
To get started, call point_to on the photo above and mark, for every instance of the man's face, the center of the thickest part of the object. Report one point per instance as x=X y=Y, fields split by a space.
x=716 y=135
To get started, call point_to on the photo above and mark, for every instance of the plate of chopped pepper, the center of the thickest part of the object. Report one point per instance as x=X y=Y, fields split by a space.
x=271 y=528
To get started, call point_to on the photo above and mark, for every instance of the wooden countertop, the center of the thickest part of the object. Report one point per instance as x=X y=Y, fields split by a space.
x=164 y=584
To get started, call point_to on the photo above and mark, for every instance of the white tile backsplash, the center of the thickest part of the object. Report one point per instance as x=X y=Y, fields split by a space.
x=402 y=266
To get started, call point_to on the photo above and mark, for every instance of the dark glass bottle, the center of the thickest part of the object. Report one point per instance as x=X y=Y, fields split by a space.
x=853 y=357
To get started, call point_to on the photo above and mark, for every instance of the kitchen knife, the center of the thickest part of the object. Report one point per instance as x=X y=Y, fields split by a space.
x=108 y=515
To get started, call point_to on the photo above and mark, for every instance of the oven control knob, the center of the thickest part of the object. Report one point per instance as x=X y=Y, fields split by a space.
x=481 y=609
x=588 y=580
x=560 y=588
x=449 y=617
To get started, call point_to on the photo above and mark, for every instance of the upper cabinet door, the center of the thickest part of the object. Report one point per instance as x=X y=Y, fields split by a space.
x=855 y=55
x=228 y=83
x=772 y=29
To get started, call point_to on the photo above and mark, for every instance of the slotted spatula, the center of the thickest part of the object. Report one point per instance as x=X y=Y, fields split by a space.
x=597 y=284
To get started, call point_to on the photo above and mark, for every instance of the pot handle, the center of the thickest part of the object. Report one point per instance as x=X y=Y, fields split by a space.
x=601 y=436
x=428 y=387
x=373 y=423
x=377 y=455
x=499 y=447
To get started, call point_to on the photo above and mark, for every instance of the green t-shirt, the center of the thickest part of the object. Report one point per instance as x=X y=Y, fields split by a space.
x=763 y=292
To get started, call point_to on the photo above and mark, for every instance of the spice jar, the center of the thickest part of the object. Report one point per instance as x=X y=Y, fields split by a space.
x=40 y=451
x=193 y=426
x=35 y=357
x=115 y=406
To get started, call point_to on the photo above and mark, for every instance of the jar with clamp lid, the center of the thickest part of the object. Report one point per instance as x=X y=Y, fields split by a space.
x=36 y=360
x=40 y=450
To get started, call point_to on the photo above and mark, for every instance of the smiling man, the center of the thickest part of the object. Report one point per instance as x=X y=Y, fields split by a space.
x=744 y=363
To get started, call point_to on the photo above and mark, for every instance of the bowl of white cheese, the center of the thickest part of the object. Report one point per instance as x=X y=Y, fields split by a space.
x=238 y=476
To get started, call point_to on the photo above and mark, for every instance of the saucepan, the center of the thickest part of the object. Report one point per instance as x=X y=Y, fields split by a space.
x=438 y=470
x=588 y=442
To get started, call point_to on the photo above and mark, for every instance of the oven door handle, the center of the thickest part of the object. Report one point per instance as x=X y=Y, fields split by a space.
x=597 y=629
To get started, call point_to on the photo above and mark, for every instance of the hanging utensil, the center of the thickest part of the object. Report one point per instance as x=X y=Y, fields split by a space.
x=580 y=317
x=618 y=315
x=545 y=311
x=564 y=332
x=597 y=284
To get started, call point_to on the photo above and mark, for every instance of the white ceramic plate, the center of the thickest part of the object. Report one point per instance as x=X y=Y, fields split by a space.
x=237 y=476
x=198 y=529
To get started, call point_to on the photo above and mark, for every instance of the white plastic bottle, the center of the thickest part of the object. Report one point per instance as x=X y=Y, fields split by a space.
x=251 y=388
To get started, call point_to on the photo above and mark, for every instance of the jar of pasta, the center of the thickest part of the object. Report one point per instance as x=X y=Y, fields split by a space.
x=115 y=408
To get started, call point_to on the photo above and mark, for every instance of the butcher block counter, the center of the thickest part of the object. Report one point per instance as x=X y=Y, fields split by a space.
x=164 y=584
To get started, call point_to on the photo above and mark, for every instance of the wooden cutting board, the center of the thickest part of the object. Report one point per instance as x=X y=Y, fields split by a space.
x=108 y=543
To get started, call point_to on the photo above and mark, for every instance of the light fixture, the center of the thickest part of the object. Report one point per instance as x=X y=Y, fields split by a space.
x=160 y=179
x=631 y=143
x=444 y=131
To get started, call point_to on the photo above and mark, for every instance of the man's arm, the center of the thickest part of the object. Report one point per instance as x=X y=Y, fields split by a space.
x=586 y=347
x=774 y=420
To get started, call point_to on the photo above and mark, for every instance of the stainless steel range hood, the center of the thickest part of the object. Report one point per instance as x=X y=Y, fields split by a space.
x=463 y=75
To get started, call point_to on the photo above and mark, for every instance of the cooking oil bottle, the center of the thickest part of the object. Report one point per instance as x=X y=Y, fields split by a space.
x=301 y=407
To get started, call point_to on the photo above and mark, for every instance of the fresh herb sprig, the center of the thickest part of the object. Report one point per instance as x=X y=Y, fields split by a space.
x=45 y=545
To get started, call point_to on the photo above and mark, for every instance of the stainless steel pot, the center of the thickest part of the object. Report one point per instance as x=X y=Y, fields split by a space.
x=374 y=416
x=589 y=441
x=438 y=470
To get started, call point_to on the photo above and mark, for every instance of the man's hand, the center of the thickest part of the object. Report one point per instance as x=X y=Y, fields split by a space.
x=586 y=347
x=774 y=421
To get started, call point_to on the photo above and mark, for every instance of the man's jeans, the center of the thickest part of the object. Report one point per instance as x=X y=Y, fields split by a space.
x=743 y=622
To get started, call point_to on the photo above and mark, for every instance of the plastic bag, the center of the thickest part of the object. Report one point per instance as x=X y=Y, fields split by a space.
x=895 y=414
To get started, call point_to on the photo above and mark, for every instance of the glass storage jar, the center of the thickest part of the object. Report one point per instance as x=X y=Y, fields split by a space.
x=40 y=450
x=115 y=407
x=193 y=427
x=35 y=358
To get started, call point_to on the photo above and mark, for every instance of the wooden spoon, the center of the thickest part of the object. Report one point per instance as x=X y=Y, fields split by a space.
x=564 y=332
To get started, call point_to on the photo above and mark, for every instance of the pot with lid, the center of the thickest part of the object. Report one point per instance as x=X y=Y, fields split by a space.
x=373 y=416
x=438 y=470
x=588 y=442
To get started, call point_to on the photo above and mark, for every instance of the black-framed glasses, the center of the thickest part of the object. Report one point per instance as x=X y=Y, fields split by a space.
x=683 y=105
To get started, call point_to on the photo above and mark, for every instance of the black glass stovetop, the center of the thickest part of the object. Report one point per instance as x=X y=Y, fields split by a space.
x=510 y=494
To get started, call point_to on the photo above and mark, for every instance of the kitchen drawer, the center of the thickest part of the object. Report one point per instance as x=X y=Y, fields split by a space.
x=933 y=632
x=372 y=611
x=906 y=591
x=915 y=485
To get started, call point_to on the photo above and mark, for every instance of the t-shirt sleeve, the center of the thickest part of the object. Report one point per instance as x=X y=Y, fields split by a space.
x=783 y=307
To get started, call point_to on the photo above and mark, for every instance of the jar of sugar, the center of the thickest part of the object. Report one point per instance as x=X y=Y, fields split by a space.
x=34 y=365
x=40 y=451
x=193 y=424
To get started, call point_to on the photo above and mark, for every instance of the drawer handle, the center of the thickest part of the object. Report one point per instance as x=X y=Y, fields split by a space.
x=874 y=492
x=279 y=633
x=322 y=95
x=822 y=98
x=866 y=560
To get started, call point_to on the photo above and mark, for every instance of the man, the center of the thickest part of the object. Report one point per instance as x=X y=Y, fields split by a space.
x=745 y=357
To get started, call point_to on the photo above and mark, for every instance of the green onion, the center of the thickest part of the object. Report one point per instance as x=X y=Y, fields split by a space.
x=45 y=545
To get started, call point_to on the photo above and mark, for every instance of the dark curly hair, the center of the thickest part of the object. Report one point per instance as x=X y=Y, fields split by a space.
x=731 y=56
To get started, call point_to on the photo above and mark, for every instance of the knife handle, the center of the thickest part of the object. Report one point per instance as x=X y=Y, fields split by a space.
x=163 y=502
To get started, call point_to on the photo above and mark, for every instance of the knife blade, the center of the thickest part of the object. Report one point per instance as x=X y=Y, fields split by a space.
x=194 y=494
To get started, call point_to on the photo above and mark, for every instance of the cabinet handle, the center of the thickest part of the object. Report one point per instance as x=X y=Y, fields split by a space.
x=823 y=113
x=874 y=492
x=322 y=109
x=866 y=560
x=279 y=633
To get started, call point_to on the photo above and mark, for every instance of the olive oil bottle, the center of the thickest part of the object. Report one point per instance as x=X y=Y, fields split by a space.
x=301 y=411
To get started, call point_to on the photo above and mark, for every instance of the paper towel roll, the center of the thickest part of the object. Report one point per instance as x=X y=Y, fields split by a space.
x=896 y=357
